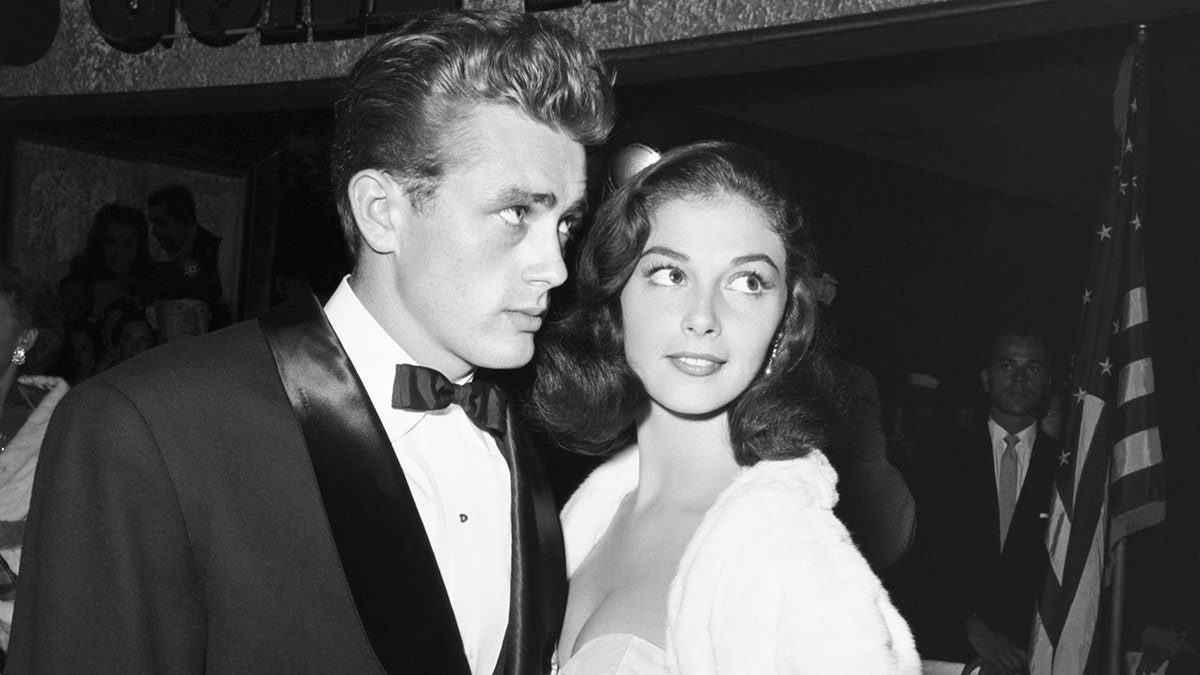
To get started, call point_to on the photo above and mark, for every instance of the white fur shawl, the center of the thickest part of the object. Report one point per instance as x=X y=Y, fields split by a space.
x=770 y=582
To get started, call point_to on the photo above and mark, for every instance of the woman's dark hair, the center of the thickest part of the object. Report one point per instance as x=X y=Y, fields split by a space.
x=33 y=307
x=587 y=396
x=90 y=263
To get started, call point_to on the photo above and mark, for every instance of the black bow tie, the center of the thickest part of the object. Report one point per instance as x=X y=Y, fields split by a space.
x=424 y=389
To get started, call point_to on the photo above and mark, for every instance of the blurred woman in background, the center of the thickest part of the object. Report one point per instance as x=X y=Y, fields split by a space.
x=26 y=402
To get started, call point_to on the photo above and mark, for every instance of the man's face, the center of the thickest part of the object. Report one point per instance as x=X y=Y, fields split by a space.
x=1017 y=379
x=472 y=268
x=178 y=319
x=170 y=232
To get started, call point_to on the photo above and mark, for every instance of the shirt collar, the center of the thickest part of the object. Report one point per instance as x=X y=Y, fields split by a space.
x=375 y=355
x=1025 y=437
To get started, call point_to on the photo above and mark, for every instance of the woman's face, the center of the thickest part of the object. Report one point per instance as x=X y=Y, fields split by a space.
x=135 y=338
x=704 y=302
x=120 y=246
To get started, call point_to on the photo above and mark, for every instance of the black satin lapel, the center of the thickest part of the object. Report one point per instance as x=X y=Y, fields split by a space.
x=385 y=553
x=539 y=578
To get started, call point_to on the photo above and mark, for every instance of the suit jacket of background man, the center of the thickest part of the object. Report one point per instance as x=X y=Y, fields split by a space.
x=959 y=566
x=231 y=504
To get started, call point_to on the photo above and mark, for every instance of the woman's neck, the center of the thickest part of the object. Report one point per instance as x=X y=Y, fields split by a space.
x=7 y=377
x=684 y=461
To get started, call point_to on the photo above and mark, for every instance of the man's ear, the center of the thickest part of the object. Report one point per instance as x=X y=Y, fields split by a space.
x=152 y=317
x=380 y=206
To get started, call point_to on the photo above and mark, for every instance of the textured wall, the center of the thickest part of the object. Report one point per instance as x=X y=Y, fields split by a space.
x=80 y=62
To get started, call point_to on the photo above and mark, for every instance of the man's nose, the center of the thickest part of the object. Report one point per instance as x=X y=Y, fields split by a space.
x=547 y=266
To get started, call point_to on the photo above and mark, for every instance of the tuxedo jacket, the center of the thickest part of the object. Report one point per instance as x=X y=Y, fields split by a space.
x=959 y=564
x=231 y=504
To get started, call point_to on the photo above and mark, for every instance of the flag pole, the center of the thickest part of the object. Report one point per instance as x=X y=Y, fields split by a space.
x=1116 y=651
x=1116 y=627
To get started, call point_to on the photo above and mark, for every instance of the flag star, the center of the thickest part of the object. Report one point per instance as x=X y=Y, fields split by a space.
x=1104 y=232
x=1087 y=296
x=1116 y=327
x=1121 y=187
x=1064 y=458
x=1133 y=105
x=1136 y=222
x=1080 y=395
x=1128 y=145
x=1133 y=181
x=1106 y=366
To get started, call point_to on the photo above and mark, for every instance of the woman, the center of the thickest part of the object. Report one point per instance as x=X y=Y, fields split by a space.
x=22 y=425
x=707 y=543
x=116 y=255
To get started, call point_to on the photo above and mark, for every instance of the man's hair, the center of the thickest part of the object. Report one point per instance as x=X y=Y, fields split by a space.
x=586 y=394
x=1018 y=328
x=414 y=86
x=178 y=199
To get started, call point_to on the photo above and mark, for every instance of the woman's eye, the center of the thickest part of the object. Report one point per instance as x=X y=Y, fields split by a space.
x=514 y=215
x=567 y=230
x=748 y=283
x=666 y=276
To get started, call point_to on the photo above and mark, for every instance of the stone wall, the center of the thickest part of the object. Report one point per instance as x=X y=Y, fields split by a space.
x=81 y=62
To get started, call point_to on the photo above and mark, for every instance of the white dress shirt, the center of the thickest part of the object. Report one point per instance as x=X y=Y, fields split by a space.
x=1024 y=449
x=458 y=478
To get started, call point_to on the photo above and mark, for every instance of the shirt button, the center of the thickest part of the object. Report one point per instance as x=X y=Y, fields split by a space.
x=462 y=517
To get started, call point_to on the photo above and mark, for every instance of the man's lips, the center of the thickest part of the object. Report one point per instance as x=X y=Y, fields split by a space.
x=528 y=318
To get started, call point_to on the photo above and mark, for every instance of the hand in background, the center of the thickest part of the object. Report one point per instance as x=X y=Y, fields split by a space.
x=29 y=438
x=1160 y=644
x=999 y=655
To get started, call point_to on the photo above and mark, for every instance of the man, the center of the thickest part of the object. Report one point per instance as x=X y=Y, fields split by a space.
x=171 y=211
x=182 y=251
x=982 y=517
x=178 y=318
x=251 y=501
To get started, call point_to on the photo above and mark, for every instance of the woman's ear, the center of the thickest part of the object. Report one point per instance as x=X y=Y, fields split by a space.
x=28 y=337
x=381 y=207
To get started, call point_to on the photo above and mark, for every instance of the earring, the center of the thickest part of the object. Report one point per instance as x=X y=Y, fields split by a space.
x=772 y=357
x=18 y=357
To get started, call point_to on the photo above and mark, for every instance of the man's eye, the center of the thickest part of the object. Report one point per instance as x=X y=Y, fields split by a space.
x=514 y=215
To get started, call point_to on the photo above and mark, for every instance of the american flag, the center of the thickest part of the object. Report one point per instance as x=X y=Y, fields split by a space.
x=1110 y=480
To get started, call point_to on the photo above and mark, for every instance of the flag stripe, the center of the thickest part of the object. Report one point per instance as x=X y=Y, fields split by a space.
x=1135 y=308
x=1136 y=452
x=1137 y=380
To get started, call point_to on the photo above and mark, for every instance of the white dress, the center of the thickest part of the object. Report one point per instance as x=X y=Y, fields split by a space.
x=616 y=654
x=769 y=583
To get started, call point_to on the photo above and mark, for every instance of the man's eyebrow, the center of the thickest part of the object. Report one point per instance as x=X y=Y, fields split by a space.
x=517 y=195
x=755 y=257
x=664 y=251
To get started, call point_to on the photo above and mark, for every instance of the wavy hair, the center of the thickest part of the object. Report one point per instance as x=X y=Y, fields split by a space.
x=587 y=396
x=410 y=90
x=90 y=263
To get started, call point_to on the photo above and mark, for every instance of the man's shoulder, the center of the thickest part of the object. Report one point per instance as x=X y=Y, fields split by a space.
x=216 y=354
